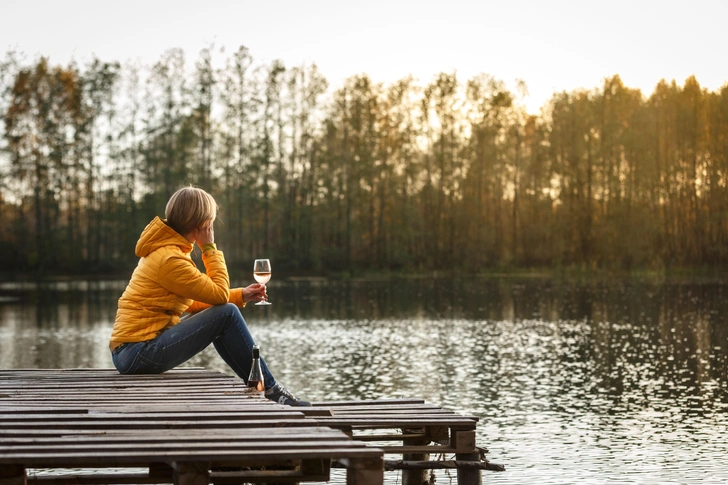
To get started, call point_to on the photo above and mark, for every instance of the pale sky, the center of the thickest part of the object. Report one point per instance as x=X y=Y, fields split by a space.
x=553 y=45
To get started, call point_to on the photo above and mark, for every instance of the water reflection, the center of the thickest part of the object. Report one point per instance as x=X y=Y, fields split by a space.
x=603 y=382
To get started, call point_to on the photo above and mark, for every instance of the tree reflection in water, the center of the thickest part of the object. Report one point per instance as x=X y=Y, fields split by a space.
x=573 y=381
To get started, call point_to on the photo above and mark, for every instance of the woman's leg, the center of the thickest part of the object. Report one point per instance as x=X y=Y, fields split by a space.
x=221 y=325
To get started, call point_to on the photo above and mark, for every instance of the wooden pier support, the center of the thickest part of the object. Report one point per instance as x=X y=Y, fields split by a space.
x=364 y=471
x=415 y=476
x=463 y=441
x=13 y=475
x=469 y=476
x=193 y=473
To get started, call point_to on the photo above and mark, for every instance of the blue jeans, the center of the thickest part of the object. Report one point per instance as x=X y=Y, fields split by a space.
x=221 y=325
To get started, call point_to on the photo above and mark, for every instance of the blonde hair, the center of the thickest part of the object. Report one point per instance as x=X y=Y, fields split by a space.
x=190 y=208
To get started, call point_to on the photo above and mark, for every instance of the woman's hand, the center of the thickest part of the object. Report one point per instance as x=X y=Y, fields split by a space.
x=205 y=235
x=255 y=292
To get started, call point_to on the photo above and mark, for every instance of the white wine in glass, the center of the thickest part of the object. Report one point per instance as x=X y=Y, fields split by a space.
x=261 y=273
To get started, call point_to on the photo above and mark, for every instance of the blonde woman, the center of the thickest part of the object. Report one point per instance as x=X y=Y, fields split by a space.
x=150 y=334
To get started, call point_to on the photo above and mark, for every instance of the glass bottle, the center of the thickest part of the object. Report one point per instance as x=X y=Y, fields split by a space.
x=255 y=381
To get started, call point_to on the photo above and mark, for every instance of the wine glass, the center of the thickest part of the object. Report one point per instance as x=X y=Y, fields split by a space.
x=261 y=273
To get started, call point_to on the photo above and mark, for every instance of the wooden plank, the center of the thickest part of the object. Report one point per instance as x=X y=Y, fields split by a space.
x=227 y=477
x=128 y=458
x=173 y=416
x=367 y=402
x=174 y=393
x=146 y=392
x=417 y=449
x=423 y=408
x=42 y=433
x=149 y=424
x=230 y=399
x=9 y=410
x=151 y=407
x=25 y=444
x=143 y=436
x=161 y=380
x=111 y=382
x=20 y=450
x=155 y=409
x=97 y=479
x=102 y=371
x=116 y=378
x=269 y=427
x=388 y=436
x=49 y=376
x=277 y=476
x=376 y=421
x=395 y=412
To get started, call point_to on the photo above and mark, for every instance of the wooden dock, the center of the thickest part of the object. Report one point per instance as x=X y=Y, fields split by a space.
x=190 y=426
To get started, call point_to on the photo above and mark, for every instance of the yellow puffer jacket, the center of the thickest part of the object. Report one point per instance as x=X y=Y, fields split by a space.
x=166 y=283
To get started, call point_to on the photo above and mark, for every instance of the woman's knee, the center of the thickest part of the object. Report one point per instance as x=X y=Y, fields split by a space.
x=224 y=309
x=231 y=313
x=234 y=310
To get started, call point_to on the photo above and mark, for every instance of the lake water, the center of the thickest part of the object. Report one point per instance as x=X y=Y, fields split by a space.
x=616 y=382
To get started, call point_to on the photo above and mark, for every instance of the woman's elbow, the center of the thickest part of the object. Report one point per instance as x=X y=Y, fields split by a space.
x=220 y=296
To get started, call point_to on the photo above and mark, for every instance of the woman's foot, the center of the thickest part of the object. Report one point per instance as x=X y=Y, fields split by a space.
x=281 y=395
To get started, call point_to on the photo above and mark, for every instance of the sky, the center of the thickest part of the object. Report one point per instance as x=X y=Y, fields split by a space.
x=552 y=45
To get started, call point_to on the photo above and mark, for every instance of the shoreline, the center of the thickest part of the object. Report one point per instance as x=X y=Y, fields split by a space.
x=561 y=274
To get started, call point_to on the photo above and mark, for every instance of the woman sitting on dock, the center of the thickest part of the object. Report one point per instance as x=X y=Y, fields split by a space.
x=149 y=337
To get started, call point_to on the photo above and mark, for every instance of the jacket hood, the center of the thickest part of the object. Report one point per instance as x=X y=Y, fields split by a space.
x=158 y=234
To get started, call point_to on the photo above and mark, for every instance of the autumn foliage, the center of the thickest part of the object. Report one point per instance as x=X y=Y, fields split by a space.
x=448 y=174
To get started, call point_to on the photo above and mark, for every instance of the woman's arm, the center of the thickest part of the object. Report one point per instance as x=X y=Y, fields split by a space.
x=238 y=296
x=179 y=275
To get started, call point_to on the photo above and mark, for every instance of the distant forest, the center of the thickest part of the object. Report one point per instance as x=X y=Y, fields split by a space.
x=441 y=174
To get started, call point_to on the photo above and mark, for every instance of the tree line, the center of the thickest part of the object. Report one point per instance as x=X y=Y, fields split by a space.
x=448 y=174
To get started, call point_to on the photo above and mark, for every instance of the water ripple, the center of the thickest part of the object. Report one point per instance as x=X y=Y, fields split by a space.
x=594 y=383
